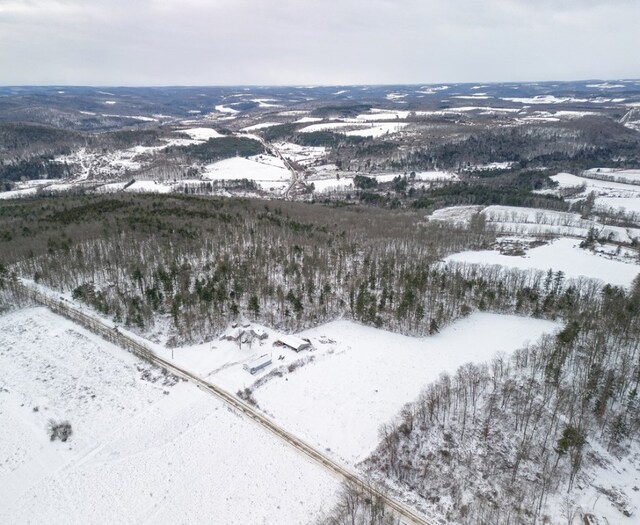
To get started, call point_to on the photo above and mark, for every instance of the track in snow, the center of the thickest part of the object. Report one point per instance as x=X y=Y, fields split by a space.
x=98 y=326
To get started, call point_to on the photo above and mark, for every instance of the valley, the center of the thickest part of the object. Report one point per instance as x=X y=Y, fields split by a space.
x=415 y=300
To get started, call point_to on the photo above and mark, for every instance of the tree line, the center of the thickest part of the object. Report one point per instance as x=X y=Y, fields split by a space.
x=192 y=265
x=497 y=442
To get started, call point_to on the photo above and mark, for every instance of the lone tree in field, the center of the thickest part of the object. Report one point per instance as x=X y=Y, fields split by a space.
x=61 y=430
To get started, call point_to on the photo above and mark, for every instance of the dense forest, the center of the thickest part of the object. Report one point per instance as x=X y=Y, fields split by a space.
x=184 y=267
x=585 y=143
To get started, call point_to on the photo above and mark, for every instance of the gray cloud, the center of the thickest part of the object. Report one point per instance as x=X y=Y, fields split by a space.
x=315 y=42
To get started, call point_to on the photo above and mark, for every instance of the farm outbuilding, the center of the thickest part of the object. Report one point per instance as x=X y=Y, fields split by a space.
x=258 y=364
x=295 y=343
x=259 y=333
x=233 y=335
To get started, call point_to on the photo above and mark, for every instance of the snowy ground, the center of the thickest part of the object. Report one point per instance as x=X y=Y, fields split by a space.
x=534 y=221
x=622 y=192
x=334 y=126
x=376 y=114
x=142 y=451
x=356 y=378
x=617 y=175
x=509 y=219
x=559 y=255
x=303 y=155
x=325 y=179
x=176 y=453
x=305 y=120
x=224 y=109
x=328 y=185
x=268 y=173
x=378 y=129
x=18 y=194
x=149 y=186
x=201 y=134
x=421 y=176
x=361 y=376
x=491 y=166
x=458 y=215
x=261 y=125
x=357 y=127
x=628 y=204
x=621 y=475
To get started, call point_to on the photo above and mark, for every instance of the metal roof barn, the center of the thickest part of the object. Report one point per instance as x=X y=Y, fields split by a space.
x=258 y=364
x=295 y=343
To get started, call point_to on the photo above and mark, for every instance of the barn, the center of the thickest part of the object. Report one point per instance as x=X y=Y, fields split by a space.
x=258 y=364
x=295 y=343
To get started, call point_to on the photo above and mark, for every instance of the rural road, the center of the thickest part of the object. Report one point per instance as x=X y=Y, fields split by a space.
x=295 y=175
x=105 y=330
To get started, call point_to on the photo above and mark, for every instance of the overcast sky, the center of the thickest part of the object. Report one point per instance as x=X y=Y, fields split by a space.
x=226 y=42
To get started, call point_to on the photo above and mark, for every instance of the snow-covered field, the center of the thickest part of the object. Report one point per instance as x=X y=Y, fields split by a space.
x=329 y=185
x=268 y=173
x=491 y=166
x=334 y=126
x=559 y=255
x=362 y=376
x=534 y=221
x=225 y=109
x=383 y=114
x=149 y=186
x=423 y=176
x=622 y=192
x=261 y=125
x=546 y=99
x=362 y=128
x=459 y=215
x=142 y=450
x=18 y=194
x=378 y=129
x=628 y=204
x=326 y=180
x=600 y=187
x=355 y=378
x=303 y=155
x=305 y=120
x=201 y=134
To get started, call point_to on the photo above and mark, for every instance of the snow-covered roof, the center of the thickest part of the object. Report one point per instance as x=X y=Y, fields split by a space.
x=258 y=362
x=258 y=332
x=232 y=334
x=293 y=341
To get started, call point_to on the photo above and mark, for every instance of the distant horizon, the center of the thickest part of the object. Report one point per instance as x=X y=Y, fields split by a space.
x=312 y=86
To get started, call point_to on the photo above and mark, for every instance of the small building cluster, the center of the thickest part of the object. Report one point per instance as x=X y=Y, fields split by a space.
x=244 y=333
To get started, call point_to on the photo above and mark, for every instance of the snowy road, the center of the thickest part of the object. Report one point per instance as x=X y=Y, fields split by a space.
x=110 y=333
x=295 y=176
